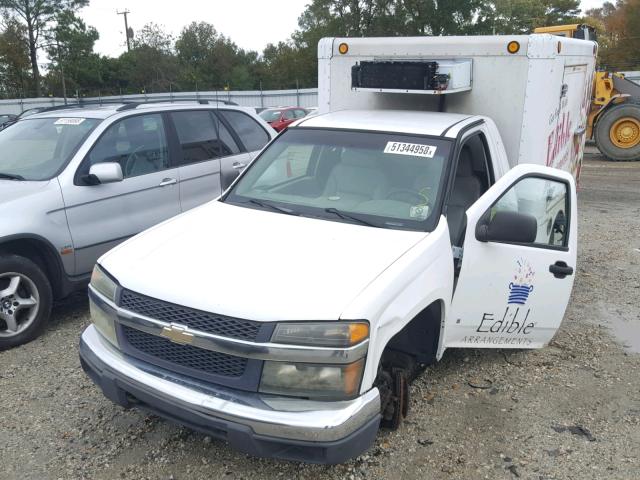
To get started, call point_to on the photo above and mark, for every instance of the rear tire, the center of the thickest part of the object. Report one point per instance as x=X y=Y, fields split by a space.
x=617 y=132
x=25 y=301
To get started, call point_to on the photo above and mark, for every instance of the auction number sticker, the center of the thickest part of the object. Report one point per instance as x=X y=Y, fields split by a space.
x=69 y=121
x=413 y=149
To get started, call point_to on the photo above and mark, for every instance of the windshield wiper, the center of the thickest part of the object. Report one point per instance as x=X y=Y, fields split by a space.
x=347 y=216
x=11 y=176
x=264 y=204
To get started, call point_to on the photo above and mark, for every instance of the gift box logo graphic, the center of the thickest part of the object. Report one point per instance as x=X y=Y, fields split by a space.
x=522 y=285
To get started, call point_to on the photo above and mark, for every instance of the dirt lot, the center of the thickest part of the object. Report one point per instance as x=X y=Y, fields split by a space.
x=569 y=411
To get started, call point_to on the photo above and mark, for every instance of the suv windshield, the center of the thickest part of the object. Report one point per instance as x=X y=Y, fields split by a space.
x=387 y=180
x=271 y=115
x=36 y=149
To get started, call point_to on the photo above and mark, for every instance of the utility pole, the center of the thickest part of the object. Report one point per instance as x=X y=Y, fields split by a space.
x=64 y=85
x=126 y=27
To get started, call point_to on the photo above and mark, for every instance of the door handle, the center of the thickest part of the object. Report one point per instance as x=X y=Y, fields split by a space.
x=579 y=131
x=238 y=165
x=168 y=181
x=560 y=269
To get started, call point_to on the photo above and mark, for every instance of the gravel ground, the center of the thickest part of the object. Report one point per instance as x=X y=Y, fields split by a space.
x=571 y=410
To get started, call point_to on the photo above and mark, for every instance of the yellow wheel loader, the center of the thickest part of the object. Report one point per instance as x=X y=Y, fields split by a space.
x=614 y=117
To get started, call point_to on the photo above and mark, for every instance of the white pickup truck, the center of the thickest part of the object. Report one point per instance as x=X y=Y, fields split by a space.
x=357 y=247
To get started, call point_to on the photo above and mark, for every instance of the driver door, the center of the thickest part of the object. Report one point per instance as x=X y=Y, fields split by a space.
x=102 y=216
x=512 y=290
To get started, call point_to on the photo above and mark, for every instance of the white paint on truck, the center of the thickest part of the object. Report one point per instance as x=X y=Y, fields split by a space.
x=412 y=229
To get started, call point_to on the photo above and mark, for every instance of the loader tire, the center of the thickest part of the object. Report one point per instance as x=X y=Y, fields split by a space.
x=617 y=132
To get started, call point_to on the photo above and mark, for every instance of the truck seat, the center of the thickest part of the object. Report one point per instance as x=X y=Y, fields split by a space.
x=426 y=182
x=356 y=178
x=467 y=188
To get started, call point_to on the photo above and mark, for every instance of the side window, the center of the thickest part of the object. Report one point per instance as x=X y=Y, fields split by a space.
x=547 y=201
x=228 y=145
x=289 y=115
x=197 y=136
x=137 y=143
x=472 y=179
x=300 y=113
x=252 y=135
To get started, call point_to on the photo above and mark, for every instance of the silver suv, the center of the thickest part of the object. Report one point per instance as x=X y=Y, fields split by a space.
x=75 y=182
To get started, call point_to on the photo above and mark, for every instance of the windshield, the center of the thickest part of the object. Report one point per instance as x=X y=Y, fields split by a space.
x=36 y=149
x=385 y=180
x=271 y=115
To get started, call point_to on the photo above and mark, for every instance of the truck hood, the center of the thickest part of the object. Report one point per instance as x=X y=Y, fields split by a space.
x=256 y=264
x=11 y=190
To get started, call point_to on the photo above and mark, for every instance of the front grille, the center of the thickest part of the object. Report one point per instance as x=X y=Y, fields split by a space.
x=192 y=318
x=186 y=356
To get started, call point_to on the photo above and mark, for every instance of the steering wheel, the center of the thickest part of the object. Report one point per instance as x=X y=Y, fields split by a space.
x=408 y=196
x=131 y=160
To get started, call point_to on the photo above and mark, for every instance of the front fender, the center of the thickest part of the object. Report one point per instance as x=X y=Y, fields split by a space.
x=422 y=276
x=39 y=215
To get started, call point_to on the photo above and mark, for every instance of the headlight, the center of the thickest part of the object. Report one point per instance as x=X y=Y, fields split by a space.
x=335 y=382
x=323 y=334
x=103 y=283
x=103 y=323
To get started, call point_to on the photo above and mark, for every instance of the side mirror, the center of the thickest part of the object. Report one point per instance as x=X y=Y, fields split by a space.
x=108 y=172
x=507 y=226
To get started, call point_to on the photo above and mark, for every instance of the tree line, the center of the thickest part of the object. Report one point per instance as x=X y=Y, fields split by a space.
x=201 y=58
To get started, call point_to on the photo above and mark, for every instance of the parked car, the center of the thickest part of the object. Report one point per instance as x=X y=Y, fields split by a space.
x=5 y=119
x=312 y=111
x=370 y=242
x=281 y=118
x=76 y=182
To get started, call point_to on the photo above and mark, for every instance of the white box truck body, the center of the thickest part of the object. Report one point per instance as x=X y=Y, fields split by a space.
x=538 y=96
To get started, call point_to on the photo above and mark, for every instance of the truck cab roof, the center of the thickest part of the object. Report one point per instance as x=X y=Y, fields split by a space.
x=436 y=124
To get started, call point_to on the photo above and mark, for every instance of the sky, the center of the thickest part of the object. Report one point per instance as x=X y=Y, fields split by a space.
x=251 y=24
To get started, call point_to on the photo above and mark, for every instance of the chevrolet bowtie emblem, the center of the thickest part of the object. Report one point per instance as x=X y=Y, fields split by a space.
x=177 y=334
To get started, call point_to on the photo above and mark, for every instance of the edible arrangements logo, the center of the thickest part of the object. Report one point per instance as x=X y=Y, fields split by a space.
x=522 y=284
x=513 y=326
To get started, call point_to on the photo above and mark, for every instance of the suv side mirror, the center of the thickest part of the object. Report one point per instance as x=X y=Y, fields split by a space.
x=108 y=172
x=507 y=226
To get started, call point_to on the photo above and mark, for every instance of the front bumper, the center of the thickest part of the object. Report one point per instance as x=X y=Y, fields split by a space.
x=261 y=425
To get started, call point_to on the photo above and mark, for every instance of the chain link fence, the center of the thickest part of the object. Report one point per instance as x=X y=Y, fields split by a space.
x=303 y=97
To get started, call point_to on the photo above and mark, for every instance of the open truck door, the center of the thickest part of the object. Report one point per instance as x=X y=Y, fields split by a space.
x=518 y=262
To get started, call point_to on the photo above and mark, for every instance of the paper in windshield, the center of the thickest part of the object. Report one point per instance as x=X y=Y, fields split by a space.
x=69 y=121
x=413 y=149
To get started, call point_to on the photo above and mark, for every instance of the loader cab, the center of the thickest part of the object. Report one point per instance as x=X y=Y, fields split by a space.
x=580 y=31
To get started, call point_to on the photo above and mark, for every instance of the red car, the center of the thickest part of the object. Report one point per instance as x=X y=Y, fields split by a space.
x=280 y=118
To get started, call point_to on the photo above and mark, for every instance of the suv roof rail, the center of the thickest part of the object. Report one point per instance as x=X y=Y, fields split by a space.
x=201 y=101
x=54 y=107
x=130 y=105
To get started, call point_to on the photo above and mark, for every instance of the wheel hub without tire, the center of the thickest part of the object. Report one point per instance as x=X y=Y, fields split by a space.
x=625 y=132
x=18 y=303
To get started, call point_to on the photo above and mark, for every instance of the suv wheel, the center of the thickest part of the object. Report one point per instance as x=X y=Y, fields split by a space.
x=25 y=301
